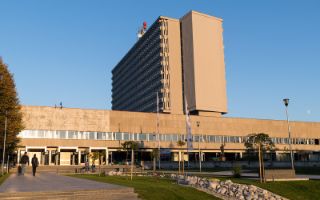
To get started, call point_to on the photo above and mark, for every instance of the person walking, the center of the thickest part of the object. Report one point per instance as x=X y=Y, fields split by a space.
x=35 y=164
x=24 y=160
x=87 y=166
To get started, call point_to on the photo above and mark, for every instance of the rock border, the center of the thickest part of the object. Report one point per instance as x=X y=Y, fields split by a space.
x=226 y=190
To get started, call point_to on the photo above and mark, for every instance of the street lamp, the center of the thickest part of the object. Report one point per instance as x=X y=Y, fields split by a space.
x=286 y=103
x=158 y=125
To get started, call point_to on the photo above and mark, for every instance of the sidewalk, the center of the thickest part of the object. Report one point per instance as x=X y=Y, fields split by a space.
x=245 y=173
x=52 y=186
x=255 y=175
x=50 y=182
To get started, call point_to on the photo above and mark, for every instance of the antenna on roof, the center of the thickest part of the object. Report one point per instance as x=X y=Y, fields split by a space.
x=142 y=30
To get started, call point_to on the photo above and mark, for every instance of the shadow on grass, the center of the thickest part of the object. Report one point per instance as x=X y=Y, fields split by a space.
x=153 y=188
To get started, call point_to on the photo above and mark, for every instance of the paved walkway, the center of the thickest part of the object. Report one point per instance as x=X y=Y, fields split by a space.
x=255 y=175
x=244 y=174
x=46 y=182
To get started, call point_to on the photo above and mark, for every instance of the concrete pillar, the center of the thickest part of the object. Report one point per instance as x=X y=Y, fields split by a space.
x=79 y=157
x=107 y=157
x=19 y=156
x=43 y=154
x=89 y=159
x=73 y=158
x=50 y=156
x=57 y=158
x=278 y=157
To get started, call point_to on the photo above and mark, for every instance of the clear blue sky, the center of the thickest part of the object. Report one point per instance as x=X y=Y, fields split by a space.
x=65 y=50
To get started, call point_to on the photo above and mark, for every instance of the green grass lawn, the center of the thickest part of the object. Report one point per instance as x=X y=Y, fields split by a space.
x=294 y=190
x=3 y=178
x=153 y=188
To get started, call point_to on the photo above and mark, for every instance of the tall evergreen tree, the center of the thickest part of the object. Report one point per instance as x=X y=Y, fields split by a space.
x=10 y=108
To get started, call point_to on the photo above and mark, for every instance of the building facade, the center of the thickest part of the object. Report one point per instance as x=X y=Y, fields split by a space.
x=66 y=136
x=147 y=70
x=178 y=59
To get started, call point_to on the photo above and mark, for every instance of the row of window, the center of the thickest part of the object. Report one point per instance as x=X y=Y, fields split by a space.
x=138 y=67
x=153 y=31
x=141 y=50
x=145 y=65
x=136 y=79
x=151 y=137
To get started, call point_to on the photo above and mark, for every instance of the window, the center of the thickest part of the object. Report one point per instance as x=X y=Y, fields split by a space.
x=72 y=134
x=152 y=137
x=101 y=136
x=109 y=136
x=167 y=138
x=118 y=136
x=219 y=139
x=126 y=136
x=175 y=137
x=41 y=134
x=32 y=134
x=211 y=138
x=142 y=136
x=135 y=136
x=62 y=134
x=92 y=135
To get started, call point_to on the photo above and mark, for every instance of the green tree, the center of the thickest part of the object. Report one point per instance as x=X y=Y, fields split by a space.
x=133 y=146
x=129 y=145
x=97 y=155
x=94 y=156
x=10 y=108
x=261 y=142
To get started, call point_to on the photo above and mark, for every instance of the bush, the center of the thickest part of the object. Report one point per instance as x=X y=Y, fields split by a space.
x=236 y=171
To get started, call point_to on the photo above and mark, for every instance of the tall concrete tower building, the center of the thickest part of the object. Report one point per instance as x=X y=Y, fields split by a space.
x=181 y=60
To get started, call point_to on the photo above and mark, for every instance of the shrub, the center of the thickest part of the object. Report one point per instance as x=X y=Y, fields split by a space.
x=236 y=171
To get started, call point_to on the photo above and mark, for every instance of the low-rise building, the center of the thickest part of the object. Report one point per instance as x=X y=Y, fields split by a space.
x=65 y=136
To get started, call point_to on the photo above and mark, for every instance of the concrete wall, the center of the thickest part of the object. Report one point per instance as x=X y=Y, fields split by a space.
x=175 y=67
x=203 y=62
x=49 y=118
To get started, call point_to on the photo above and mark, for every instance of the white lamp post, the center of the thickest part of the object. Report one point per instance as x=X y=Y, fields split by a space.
x=286 y=103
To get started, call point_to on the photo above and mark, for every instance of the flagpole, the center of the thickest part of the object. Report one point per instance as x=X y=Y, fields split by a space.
x=159 y=162
x=188 y=130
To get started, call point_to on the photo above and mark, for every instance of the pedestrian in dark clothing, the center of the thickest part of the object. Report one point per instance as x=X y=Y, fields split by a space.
x=24 y=160
x=35 y=164
x=87 y=166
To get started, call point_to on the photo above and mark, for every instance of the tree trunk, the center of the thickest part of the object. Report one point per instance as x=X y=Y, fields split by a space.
x=179 y=156
x=262 y=166
x=99 y=163
x=260 y=170
x=132 y=161
x=127 y=157
x=154 y=163
x=182 y=162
